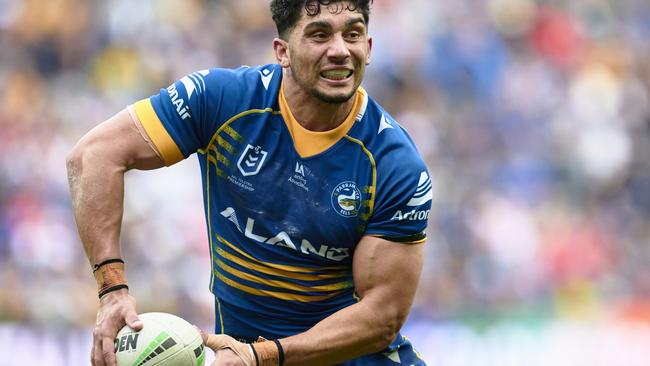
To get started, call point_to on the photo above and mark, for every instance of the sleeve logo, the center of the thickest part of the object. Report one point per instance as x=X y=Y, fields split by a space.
x=423 y=193
x=181 y=107
x=191 y=83
x=195 y=78
x=266 y=77
x=384 y=124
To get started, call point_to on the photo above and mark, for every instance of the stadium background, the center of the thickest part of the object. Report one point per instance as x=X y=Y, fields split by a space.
x=534 y=118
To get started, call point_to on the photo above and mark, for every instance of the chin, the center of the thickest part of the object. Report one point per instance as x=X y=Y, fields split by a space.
x=334 y=97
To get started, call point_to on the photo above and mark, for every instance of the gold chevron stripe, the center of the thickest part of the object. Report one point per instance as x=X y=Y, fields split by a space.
x=234 y=134
x=277 y=272
x=282 y=284
x=275 y=294
x=225 y=145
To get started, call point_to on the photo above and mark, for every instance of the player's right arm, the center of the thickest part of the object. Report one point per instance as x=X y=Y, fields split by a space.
x=96 y=168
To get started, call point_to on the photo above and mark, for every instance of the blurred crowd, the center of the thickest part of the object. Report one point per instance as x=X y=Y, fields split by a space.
x=533 y=117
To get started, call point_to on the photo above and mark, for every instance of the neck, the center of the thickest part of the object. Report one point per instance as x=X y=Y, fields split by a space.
x=311 y=112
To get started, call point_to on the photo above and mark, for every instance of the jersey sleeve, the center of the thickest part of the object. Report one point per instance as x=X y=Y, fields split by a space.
x=183 y=117
x=403 y=202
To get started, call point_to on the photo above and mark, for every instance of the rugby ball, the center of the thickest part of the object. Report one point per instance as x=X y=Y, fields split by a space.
x=164 y=340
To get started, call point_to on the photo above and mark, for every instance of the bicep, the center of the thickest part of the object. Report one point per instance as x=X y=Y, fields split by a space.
x=122 y=141
x=387 y=273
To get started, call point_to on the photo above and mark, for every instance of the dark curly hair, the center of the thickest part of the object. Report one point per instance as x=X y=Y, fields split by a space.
x=286 y=13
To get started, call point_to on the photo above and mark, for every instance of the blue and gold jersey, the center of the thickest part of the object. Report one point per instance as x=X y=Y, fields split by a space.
x=285 y=206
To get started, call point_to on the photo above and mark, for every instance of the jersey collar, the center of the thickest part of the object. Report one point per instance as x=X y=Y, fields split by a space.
x=309 y=143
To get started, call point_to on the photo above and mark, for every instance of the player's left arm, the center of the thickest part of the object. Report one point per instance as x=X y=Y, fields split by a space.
x=386 y=275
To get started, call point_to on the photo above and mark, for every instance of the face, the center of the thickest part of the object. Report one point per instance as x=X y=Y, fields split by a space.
x=327 y=53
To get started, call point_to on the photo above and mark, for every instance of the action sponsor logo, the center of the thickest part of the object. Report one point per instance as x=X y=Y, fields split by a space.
x=413 y=215
x=423 y=194
x=282 y=239
x=346 y=199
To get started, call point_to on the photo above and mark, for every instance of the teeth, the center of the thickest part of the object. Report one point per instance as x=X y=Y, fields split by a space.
x=336 y=74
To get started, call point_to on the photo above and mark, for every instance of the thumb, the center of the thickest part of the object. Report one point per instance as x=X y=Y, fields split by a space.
x=205 y=336
x=133 y=321
x=214 y=341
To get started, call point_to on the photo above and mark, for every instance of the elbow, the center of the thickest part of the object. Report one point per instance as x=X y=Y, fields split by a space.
x=388 y=329
x=384 y=340
x=73 y=161
x=88 y=151
x=84 y=153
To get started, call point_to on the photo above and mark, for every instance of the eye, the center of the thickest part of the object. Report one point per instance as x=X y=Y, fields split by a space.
x=319 y=36
x=353 y=36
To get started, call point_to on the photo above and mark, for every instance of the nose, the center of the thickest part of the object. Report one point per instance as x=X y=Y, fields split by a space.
x=338 y=48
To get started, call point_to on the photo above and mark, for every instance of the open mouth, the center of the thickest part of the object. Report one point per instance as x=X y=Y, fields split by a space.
x=336 y=74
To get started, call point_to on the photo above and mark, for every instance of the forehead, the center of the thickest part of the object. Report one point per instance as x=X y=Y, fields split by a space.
x=335 y=13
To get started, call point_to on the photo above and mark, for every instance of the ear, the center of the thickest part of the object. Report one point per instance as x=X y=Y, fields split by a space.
x=369 y=50
x=281 y=49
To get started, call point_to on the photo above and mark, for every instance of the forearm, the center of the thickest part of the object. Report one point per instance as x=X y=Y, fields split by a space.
x=357 y=330
x=96 y=168
x=97 y=190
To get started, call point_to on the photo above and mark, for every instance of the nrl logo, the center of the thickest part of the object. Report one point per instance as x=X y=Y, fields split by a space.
x=250 y=162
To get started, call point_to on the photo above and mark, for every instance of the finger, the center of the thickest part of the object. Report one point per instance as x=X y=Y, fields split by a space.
x=96 y=358
x=108 y=352
x=133 y=321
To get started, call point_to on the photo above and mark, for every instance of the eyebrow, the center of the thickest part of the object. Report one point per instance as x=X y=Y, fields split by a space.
x=328 y=25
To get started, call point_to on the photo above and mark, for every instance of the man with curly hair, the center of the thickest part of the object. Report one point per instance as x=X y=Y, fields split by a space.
x=316 y=199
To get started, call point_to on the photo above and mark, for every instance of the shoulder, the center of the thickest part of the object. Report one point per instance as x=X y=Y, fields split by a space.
x=387 y=141
x=244 y=79
x=253 y=76
x=403 y=186
x=225 y=91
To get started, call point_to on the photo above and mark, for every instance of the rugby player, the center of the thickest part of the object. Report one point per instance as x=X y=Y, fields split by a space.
x=316 y=199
